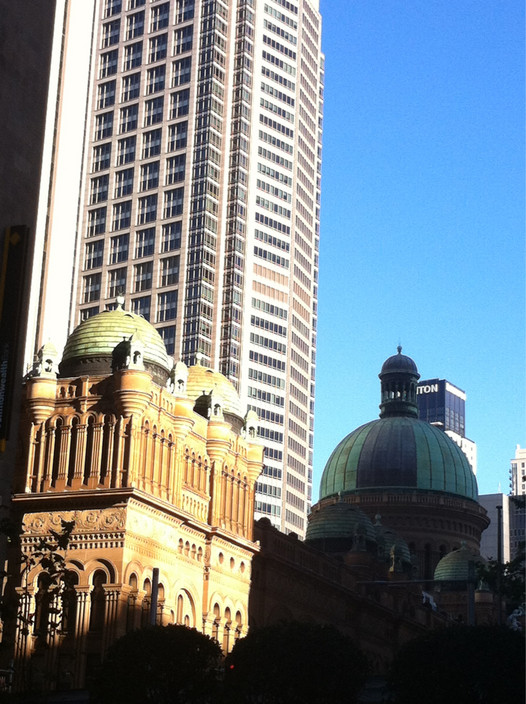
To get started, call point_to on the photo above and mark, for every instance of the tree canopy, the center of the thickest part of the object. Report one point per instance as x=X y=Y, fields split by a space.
x=161 y=664
x=291 y=663
x=461 y=664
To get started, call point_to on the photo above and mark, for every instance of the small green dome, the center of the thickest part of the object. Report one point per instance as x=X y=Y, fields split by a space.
x=458 y=566
x=202 y=381
x=339 y=527
x=398 y=453
x=90 y=347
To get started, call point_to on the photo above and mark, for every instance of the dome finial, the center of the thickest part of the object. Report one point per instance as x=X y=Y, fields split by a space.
x=120 y=302
x=399 y=348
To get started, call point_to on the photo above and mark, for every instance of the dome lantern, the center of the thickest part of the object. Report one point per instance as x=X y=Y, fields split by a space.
x=399 y=378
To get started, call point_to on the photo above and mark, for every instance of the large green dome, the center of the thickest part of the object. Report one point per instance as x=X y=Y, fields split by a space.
x=90 y=347
x=398 y=453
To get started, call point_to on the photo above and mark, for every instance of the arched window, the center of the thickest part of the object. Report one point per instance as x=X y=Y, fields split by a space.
x=98 y=602
x=73 y=450
x=69 y=603
x=42 y=608
x=56 y=450
x=132 y=603
x=89 y=449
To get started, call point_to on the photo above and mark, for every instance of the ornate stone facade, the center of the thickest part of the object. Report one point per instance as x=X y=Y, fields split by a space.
x=149 y=482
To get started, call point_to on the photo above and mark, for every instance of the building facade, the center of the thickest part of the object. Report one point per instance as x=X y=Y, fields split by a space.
x=443 y=404
x=518 y=501
x=155 y=468
x=201 y=203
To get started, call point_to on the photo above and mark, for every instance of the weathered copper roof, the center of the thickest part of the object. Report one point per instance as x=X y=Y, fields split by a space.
x=398 y=453
x=90 y=346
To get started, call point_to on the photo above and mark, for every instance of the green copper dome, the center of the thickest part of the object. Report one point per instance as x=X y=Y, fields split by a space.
x=338 y=525
x=458 y=565
x=90 y=347
x=398 y=452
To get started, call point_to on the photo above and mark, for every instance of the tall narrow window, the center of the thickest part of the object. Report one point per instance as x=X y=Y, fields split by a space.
x=119 y=248
x=131 y=87
x=101 y=157
x=108 y=63
x=96 y=222
x=143 y=274
x=104 y=125
x=145 y=242
x=126 y=150
x=128 y=118
x=141 y=306
x=175 y=169
x=149 y=175
x=171 y=236
x=169 y=271
x=123 y=183
x=151 y=143
x=179 y=103
x=121 y=215
x=94 y=254
x=177 y=135
x=99 y=189
x=160 y=17
x=173 y=202
x=181 y=72
x=153 y=111
x=135 y=25
x=132 y=56
x=155 y=78
x=183 y=39
x=110 y=33
x=158 y=48
x=147 y=209
x=106 y=95
x=91 y=285
x=116 y=282
x=166 y=306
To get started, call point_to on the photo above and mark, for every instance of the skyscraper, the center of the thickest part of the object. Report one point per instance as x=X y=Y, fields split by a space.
x=201 y=199
x=443 y=404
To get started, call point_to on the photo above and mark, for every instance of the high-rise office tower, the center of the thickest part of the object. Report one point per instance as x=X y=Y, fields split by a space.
x=443 y=404
x=201 y=203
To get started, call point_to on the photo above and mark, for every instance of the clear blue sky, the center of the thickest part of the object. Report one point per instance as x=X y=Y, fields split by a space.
x=422 y=236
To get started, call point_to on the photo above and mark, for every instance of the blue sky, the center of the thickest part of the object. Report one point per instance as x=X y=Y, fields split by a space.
x=422 y=225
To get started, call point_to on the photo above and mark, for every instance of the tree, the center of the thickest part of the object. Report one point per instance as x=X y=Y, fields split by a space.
x=512 y=578
x=161 y=664
x=461 y=664
x=291 y=663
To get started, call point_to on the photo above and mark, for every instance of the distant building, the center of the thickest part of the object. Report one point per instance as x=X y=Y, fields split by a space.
x=518 y=500
x=25 y=54
x=518 y=472
x=489 y=539
x=443 y=404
